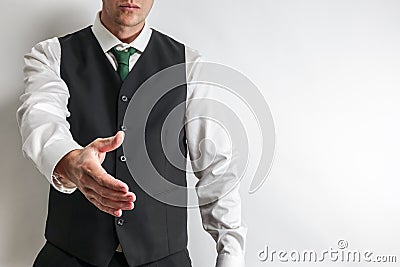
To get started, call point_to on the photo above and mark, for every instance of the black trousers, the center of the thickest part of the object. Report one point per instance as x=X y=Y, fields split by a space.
x=50 y=256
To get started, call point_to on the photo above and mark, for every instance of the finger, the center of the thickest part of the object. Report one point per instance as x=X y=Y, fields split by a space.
x=115 y=205
x=111 y=211
x=98 y=174
x=110 y=143
x=87 y=183
x=112 y=194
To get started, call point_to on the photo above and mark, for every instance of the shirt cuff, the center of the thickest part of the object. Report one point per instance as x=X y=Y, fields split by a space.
x=227 y=260
x=51 y=156
x=60 y=186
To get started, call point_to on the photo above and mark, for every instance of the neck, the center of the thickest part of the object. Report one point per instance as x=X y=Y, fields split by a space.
x=124 y=33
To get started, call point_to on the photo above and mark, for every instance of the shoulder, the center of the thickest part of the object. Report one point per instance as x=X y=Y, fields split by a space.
x=48 y=52
x=166 y=41
x=45 y=50
x=191 y=54
x=76 y=34
x=158 y=34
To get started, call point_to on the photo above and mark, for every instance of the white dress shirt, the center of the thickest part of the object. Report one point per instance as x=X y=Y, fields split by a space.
x=46 y=137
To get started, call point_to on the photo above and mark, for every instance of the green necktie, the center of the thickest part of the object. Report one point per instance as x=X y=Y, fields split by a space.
x=122 y=58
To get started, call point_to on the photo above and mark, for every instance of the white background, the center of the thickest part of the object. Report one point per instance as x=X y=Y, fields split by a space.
x=330 y=73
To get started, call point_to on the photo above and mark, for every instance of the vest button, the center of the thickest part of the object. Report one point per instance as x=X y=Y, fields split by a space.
x=124 y=98
x=123 y=128
x=122 y=158
x=120 y=222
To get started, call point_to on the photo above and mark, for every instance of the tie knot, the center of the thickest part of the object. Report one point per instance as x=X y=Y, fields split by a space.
x=122 y=56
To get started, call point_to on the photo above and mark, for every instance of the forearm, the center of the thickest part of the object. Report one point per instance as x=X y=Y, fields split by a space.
x=222 y=218
x=223 y=222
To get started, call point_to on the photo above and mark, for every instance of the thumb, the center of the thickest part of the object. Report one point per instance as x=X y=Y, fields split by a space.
x=110 y=143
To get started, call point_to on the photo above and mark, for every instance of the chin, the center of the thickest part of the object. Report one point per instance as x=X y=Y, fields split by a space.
x=126 y=23
x=129 y=21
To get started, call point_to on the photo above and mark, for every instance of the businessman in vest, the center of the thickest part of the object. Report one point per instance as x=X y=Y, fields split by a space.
x=77 y=91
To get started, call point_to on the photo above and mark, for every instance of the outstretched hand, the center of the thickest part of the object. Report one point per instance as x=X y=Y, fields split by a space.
x=82 y=167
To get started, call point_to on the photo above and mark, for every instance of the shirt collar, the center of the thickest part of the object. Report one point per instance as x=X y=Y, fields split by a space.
x=107 y=40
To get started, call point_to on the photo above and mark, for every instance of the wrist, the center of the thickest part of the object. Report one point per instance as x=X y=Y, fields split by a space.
x=62 y=182
x=62 y=171
x=65 y=164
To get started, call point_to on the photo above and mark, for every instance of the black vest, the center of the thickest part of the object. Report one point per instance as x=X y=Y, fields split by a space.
x=97 y=104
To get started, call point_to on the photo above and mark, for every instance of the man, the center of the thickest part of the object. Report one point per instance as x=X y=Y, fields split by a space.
x=71 y=120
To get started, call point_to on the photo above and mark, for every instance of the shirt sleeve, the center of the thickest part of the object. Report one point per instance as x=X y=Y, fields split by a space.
x=213 y=161
x=42 y=115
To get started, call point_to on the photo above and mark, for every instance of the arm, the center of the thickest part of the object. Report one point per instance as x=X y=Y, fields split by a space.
x=46 y=138
x=47 y=141
x=213 y=163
